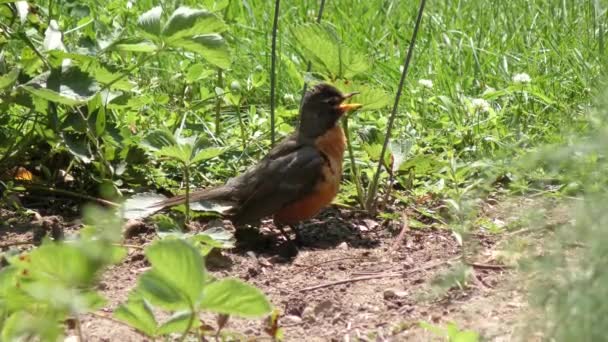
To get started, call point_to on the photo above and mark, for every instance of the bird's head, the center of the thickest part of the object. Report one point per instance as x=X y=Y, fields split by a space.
x=322 y=107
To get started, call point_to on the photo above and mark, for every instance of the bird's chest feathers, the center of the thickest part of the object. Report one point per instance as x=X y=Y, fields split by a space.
x=332 y=144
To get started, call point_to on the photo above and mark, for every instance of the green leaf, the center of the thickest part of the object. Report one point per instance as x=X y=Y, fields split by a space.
x=137 y=313
x=212 y=47
x=70 y=86
x=180 y=266
x=78 y=145
x=134 y=46
x=22 y=326
x=206 y=154
x=142 y=205
x=234 y=297
x=161 y=292
x=181 y=153
x=158 y=139
x=320 y=46
x=178 y=323
x=7 y=81
x=149 y=22
x=188 y=22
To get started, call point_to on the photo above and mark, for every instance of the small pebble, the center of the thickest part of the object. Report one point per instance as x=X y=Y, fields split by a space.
x=291 y=319
x=342 y=246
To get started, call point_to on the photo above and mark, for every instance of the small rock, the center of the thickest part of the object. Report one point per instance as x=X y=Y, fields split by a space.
x=291 y=319
x=251 y=254
x=322 y=307
x=371 y=224
x=342 y=246
x=392 y=293
x=72 y=338
x=308 y=314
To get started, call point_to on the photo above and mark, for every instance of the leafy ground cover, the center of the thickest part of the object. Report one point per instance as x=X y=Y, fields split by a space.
x=494 y=139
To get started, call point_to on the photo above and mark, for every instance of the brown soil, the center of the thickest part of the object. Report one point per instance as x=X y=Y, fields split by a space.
x=384 y=293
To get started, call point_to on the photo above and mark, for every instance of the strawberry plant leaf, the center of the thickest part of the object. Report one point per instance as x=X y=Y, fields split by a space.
x=178 y=322
x=212 y=47
x=177 y=268
x=149 y=22
x=234 y=297
x=70 y=86
x=137 y=313
x=7 y=81
x=188 y=22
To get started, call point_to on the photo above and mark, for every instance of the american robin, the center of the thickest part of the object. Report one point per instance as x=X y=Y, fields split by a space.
x=298 y=177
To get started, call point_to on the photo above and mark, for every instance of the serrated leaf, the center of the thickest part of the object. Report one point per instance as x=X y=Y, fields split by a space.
x=159 y=139
x=181 y=153
x=138 y=314
x=7 y=81
x=142 y=205
x=149 y=22
x=178 y=273
x=234 y=297
x=212 y=47
x=206 y=154
x=178 y=322
x=70 y=86
x=161 y=292
x=187 y=22
x=135 y=46
x=319 y=45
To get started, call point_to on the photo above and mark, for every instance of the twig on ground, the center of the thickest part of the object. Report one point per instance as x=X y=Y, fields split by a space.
x=379 y=276
x=488 y=266
x=15 y=243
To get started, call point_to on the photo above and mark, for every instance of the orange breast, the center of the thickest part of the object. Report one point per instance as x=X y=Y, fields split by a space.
x=332 y=144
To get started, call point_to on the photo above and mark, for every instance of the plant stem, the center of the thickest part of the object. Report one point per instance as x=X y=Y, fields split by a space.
x=242 y=127
x=187 y=181
x=353 y=166
x=273 y=61
x=218 y=104
x=371 y=195
x=190 y=322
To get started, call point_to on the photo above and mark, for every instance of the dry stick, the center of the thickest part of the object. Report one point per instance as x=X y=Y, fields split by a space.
x=379 y=276
x=309 y=65
x=371 y=195
x=273 y=61
x=404 y=227
x=488 y=266
x=72 y=194
x=16 y=243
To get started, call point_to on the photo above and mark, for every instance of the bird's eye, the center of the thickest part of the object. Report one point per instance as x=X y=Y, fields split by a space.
x=334 y=100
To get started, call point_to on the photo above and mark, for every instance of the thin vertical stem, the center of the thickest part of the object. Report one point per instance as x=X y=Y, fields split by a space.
x=273 y=61
x=218 y=104
x=371 y=195
x=187 y=181
x=309 y=65
x=353 y=166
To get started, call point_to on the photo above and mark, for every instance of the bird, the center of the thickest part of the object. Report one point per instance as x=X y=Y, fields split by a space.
x=297 y=178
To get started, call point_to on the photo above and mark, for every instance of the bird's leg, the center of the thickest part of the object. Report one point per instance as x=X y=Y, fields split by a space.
x=297 y=230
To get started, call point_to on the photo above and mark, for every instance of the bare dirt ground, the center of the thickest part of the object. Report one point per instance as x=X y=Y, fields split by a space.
x=352 y=280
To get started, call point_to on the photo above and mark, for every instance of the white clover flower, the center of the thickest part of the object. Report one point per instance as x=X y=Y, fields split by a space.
x=129 y=4
x=480 y=105
x=521 y=78
x=426 y=83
